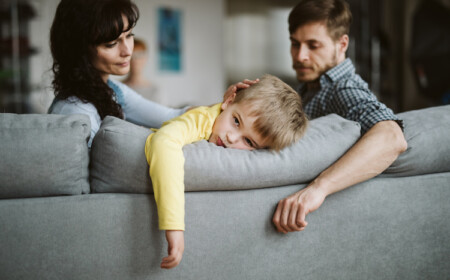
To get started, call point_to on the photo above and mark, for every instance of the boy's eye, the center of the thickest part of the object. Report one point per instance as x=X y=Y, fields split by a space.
x=248 y=142
x=236 y=121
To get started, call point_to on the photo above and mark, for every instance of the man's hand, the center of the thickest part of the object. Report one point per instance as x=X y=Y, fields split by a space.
x=175 y=240
x=291 y=211
x=236 y=87
x=371 y=155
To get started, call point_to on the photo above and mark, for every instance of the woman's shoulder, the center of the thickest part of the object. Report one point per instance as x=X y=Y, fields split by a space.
x=72 y=105
x=114 y=84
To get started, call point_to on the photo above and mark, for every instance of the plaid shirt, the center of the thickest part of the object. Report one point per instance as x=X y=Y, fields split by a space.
x=345 y=93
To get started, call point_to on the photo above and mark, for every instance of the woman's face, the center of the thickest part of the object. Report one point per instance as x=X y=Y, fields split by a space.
x=113 y=58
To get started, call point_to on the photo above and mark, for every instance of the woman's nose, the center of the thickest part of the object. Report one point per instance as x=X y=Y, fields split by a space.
x=127 y=49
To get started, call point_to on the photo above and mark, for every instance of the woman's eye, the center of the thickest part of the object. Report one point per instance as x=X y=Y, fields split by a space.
x=130 y=35
x=110 y=45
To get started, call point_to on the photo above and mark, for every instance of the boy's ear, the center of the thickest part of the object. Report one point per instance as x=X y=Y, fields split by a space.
x=228 y=101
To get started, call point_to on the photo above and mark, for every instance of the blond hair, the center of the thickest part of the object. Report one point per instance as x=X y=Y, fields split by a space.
x=278 y=108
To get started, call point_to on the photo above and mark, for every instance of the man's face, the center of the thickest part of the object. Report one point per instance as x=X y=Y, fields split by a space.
x=314 y=52
x=233 y=128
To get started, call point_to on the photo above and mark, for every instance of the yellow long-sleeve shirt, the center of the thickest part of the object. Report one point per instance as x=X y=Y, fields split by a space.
x=164 y=153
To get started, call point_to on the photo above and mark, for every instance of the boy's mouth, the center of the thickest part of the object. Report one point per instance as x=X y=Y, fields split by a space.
x=220 y=143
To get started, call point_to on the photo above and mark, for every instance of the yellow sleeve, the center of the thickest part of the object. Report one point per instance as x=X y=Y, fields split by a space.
x=164 y=153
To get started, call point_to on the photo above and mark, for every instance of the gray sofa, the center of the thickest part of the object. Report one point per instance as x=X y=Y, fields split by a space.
x=70 y=213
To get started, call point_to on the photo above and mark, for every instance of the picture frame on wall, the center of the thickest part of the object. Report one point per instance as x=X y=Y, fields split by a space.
x=169 y=40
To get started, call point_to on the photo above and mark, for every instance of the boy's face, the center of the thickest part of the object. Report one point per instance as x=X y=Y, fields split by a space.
x=233 y=128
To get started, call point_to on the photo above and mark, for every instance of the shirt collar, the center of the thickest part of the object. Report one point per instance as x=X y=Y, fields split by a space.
x=339 y=71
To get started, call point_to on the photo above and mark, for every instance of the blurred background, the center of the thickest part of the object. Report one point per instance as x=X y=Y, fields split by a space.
x=400 y=47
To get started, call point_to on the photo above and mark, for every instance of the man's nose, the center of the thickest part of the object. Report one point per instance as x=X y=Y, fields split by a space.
x=303 y=53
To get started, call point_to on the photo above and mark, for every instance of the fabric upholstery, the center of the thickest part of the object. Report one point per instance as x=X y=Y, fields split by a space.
x=229 y=235
x=43 y=155
x=209 y=167
x=427 y=132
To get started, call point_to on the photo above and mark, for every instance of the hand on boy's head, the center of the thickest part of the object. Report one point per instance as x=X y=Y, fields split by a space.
x=236 y=87
x=175 y=249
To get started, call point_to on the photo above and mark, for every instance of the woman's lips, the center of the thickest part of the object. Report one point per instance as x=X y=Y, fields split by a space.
x=125 y=64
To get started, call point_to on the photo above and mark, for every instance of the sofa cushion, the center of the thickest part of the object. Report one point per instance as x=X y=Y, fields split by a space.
x=118 y=163
x=43 y=155
x=427 y=132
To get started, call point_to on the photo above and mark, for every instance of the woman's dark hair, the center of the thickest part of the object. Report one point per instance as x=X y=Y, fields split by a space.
x=335 y=13
x=78 y=28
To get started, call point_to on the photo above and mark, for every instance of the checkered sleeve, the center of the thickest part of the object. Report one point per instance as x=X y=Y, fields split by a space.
x=356 y=102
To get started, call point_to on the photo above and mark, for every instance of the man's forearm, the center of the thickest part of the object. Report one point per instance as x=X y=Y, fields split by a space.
x=371 y=155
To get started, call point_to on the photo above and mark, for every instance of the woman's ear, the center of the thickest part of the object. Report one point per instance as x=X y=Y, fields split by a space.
x=228 y=101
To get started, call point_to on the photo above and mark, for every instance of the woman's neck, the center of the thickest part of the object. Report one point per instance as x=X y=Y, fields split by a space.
x=105 y=77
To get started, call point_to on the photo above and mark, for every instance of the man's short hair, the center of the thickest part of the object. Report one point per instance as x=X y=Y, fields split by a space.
x=335 y=13
x=281 y=120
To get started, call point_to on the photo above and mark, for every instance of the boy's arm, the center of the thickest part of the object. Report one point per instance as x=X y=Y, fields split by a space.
x=166 y=160
x=164 y=154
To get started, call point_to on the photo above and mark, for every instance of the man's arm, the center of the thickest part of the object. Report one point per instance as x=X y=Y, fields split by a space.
x=372 y=154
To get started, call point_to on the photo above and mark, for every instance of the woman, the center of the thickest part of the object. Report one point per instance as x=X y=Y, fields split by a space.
x=91 y=40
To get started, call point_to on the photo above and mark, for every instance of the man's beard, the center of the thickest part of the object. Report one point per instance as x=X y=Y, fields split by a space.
x=318 y=71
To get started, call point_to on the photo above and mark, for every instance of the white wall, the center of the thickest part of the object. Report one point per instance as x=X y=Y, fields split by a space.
x=202 y=79
x=258 y=43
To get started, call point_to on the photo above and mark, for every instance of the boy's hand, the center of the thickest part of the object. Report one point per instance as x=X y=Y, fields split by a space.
x=175 y=240
x=236 y=87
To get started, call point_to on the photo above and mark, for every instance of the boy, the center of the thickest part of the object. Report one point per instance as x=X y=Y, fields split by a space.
x=266 y=115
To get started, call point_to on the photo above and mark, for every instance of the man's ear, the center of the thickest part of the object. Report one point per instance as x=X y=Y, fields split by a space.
x=343 y=43
x=228 y=101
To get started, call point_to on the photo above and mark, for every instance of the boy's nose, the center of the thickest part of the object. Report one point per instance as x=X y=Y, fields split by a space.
x=232 y=137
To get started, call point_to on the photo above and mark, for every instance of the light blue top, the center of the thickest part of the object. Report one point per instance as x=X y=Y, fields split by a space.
x=136 y=109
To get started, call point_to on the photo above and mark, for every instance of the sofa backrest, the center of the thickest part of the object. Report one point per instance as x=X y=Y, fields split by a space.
x=43 y=155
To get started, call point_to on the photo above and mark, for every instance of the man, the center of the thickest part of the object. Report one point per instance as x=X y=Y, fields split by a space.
x=319 y=39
